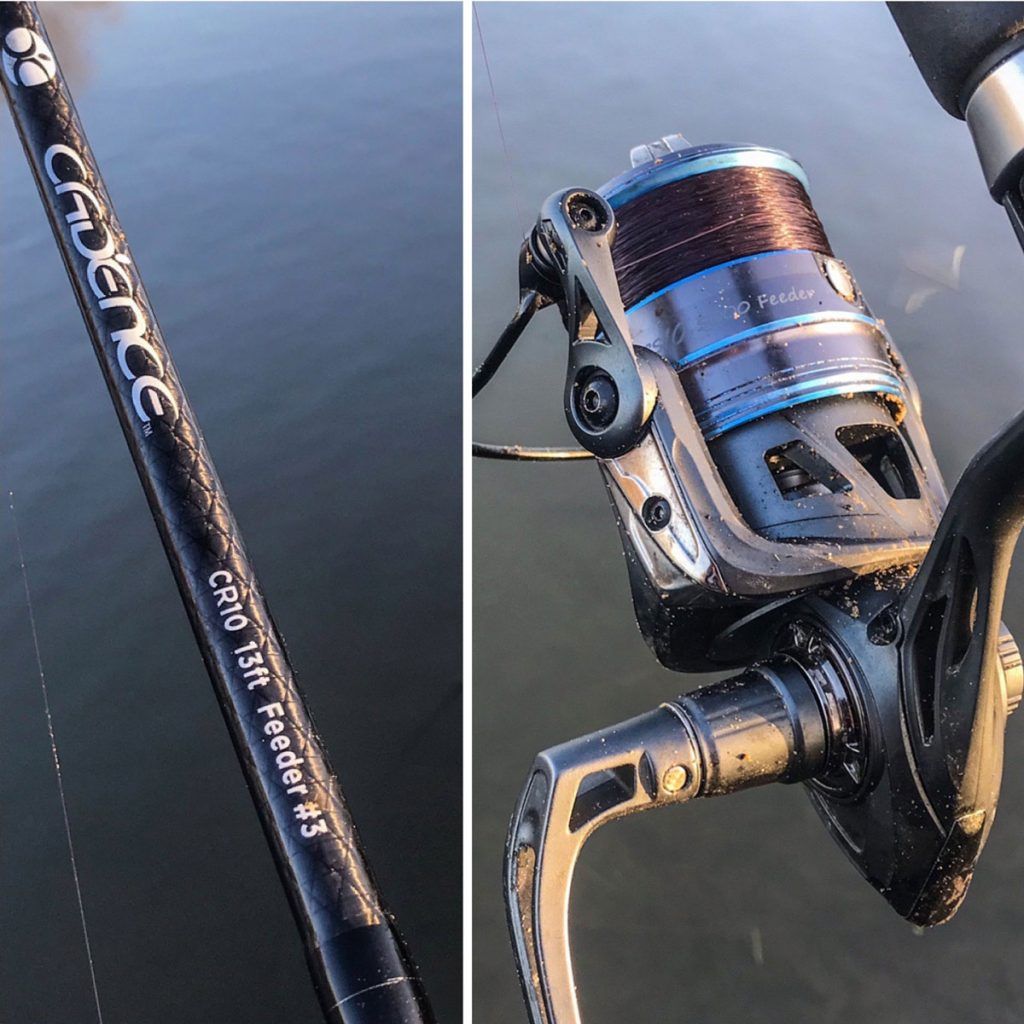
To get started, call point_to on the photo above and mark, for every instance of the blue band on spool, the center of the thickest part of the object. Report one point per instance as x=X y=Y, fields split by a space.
x=688 y=163
x=763 y=334
x=716 y=422
x=802 y=320
x=737 y=300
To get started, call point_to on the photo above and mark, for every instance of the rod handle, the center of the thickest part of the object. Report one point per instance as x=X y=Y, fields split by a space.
x=954 y=45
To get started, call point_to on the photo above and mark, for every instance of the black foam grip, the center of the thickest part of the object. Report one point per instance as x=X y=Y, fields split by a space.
x=952 y=44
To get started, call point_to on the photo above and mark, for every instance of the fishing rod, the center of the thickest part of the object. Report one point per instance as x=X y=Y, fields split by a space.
x=360 y=967
x=972 y=58
x=782 y=514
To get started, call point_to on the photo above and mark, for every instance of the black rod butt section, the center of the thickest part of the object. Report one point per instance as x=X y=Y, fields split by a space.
x=365 y=976
x=955 y=45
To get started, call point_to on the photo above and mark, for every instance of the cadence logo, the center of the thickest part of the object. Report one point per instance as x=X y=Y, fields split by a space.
x=108 y=280
x=27 y=59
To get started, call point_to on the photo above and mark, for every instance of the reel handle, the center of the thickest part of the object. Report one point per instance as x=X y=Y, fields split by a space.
x=792 y=719
x=952 y=657
x=765 y=725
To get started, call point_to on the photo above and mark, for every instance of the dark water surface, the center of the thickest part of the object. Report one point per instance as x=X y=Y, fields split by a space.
x=742 y=909
x=289 y=179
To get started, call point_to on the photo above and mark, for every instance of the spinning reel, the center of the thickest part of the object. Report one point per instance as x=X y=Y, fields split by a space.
x=782 y=513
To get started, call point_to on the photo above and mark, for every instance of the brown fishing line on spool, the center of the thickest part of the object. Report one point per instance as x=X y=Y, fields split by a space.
x=687 y=226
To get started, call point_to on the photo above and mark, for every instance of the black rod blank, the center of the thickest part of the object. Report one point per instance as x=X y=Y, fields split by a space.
x=362 y=973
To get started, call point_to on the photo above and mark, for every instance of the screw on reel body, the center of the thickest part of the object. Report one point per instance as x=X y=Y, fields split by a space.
x=781 y=512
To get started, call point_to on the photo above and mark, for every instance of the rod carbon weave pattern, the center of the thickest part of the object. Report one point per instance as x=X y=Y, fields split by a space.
x=300 y=803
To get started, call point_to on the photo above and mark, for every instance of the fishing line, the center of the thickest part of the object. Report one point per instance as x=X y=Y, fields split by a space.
x=529 y=303
x=497 y=117
x=670 y=233
x=522 y=453
x=683 y=241
x=55 y=756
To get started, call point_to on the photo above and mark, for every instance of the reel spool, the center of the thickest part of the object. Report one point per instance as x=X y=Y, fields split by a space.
x=780 y=508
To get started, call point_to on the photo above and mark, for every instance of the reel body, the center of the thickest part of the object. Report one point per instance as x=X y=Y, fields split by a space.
x=780 y=508
x=786 y=448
